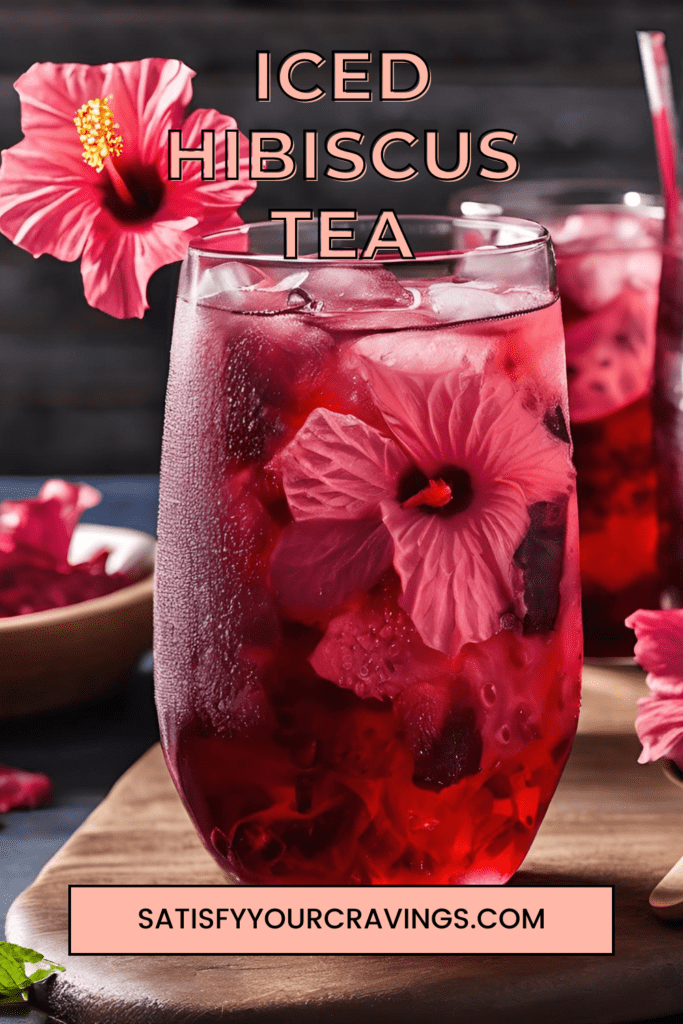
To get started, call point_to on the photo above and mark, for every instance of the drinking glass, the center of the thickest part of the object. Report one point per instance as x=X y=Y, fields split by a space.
x=607 y=240
x=368 y=638
x=668 y=417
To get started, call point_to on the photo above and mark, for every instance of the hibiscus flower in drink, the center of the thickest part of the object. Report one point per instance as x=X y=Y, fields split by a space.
x=446 y=495
x=89 y=180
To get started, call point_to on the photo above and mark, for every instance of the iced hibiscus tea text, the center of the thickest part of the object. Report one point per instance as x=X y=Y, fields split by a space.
x=275 y=156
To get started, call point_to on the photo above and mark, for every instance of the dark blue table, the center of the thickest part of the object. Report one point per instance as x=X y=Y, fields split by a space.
x=84 y=750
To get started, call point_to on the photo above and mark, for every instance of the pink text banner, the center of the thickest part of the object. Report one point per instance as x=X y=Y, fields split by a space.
x=127 y=920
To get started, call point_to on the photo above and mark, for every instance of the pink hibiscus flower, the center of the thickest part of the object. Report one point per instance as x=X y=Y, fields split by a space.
x=659 y=649
x=444 y=496
x=100 y=191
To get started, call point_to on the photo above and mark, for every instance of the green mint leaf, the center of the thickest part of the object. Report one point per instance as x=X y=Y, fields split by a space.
x=21 y=953
x=13 y=977
x=44 y=972
x=12 y=972
x=14 y=998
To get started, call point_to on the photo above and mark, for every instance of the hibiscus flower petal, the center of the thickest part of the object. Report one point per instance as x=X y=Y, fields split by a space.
x=74 y=499
x=503 y=517
x=660 y=728
x=35 y=535
x=219 y=196
x=318 y=565
x=337 y=467
x=52 y=93
x=44 y=205
x=117 y=264
x=513 y=445
x=659 y=646
x=23 y=789
x=45 y=524
x=403 y=401
x=457 y=579
x=148 y=97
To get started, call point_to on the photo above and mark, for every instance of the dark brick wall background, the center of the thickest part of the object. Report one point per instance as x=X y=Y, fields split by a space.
x=81 y=393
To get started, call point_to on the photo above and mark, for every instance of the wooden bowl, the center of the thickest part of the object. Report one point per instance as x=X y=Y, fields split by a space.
x=62 y=656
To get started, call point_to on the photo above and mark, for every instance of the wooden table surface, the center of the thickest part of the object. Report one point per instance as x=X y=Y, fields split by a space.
x=612 y=822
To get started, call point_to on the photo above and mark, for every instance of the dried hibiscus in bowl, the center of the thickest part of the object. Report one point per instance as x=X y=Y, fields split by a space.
x=35 y=572
x=23 y=789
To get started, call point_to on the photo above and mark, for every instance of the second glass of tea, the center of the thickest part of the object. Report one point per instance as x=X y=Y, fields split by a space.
x=607 y=240
x=368 y=630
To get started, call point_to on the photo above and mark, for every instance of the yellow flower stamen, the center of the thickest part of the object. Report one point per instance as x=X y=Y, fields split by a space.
x=95 y=125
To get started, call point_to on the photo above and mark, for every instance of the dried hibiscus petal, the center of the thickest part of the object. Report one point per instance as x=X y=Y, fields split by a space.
x=23 y=789
x=35 y=573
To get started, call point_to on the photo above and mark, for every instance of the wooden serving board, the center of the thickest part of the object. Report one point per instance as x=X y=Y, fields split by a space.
x=611 y=822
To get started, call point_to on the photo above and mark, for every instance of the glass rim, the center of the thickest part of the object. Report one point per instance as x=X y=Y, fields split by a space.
x=540 y=237
x=562 y=196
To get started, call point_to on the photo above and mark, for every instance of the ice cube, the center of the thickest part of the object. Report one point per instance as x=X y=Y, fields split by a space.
x=228 y=277
x=359 y=321
x=375 y=651
x=240 y=286
x=285 y=357
x=644 y=269
x=604 y=231
x=497 y=673
x=291 y=282
x=475 y=301
x=342 y=287
x=255 y=395
x=572 y=233
x=423 y=351
x=289 y=332
x=610 y=355
x=395 y=318
x=271 y=368
x=595 y=280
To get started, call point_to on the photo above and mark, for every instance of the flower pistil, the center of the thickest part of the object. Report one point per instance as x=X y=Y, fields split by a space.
x=436 y=494
x=445 y=494
x=96 y=126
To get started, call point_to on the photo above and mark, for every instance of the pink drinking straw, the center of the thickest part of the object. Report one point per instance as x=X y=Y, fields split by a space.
x=664 y=125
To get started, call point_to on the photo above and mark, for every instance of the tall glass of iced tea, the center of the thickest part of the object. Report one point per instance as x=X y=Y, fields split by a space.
x=368 y=631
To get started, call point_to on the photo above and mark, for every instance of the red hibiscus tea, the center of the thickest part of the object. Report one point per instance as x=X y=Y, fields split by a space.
x=608 y=264
x=608 y=246
x=668 y=416
x=368 y=636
